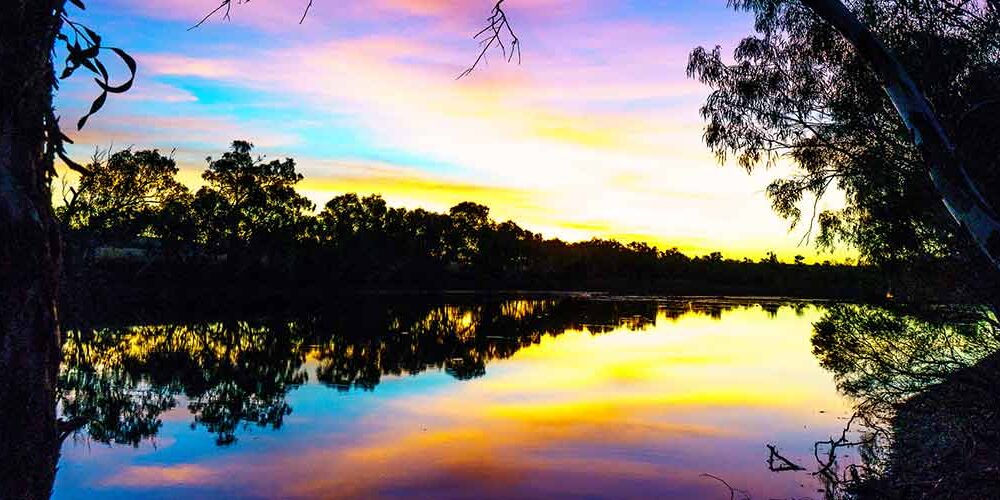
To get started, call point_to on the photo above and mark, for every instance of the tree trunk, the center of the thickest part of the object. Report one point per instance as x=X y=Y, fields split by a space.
x=948 y=174
x=29 y=252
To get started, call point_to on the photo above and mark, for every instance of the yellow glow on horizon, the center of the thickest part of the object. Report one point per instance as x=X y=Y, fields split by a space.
x=533 y=209
x=557 y=169
x=540 y=212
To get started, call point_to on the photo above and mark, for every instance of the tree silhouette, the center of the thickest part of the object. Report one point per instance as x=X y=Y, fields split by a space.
x=119 y=198
x=249 y=204
x=248 y=229
x=469 y=222
x=799 y=89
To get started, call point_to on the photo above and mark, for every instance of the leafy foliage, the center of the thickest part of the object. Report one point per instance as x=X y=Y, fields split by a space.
x=248 y=203
x=122 y=196
x=797 y=92
x=83 y=48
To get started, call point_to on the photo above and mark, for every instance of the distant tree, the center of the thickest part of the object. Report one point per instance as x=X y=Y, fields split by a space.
x=176 y=227
x=362 y=236
x=249 y=208
x=120 y=197
x=428 y=233
x=469 y=222
x=349 y=217
x=770 y=258
x=506 y=251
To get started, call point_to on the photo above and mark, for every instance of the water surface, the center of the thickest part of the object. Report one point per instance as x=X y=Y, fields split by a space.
x=451 y=398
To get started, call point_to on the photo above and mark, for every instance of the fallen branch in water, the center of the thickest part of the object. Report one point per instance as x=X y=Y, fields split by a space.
x=826 y=470
x=732 y=491
x=783 y=465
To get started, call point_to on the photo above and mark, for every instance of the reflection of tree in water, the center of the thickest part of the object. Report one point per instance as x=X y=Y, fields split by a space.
x=925 y=387
x=885 y=356
x=119 y=380
x=232 y=374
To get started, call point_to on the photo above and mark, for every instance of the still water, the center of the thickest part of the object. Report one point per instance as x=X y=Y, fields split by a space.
x=450 y=398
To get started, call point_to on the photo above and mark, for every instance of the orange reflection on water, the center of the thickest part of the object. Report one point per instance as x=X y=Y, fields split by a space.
x=618 y=414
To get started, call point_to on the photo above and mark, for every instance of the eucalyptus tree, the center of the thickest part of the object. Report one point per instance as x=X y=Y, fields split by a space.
x=250 y=205
x=362 y=239
x=868 y=100
x=30 y=248
x=119 y=197
x=469 y=224
x=950 y=175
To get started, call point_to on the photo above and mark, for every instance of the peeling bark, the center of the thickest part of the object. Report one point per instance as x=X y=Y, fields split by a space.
x=949 y=176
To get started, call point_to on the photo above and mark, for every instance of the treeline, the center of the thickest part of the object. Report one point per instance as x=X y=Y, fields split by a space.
x=128 y=223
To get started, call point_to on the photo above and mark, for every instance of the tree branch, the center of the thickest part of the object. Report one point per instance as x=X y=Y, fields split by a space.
x=226 y=7
x=497 y=28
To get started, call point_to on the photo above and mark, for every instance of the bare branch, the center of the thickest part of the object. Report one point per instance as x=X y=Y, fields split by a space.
x=306 y=11
x=497 y=28
x=783 y=464
x=732 y=491
x=226 y=6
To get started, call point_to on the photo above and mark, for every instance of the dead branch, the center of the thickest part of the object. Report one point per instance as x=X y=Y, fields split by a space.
x=827 y=467
x=783 y=464
x=497 y=28
x=306 y=11
x=225 y=7
x=732 y=491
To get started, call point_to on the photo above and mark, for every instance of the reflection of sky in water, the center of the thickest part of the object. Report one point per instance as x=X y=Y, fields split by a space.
x=622 y=414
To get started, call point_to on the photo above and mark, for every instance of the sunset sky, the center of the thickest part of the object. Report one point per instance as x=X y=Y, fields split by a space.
x=595 y=133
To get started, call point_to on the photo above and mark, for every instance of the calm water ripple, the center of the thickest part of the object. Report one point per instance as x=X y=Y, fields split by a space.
x=470 y=398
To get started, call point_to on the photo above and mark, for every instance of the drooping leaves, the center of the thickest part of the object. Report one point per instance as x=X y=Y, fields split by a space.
x=796 y=94
x=94 y=108
x=84 y=50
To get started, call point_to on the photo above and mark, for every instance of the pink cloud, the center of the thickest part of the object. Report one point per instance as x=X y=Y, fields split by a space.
x=180 y=65
x=167 y=131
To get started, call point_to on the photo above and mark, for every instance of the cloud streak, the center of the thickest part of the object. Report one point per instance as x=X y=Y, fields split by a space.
x=597 y=132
